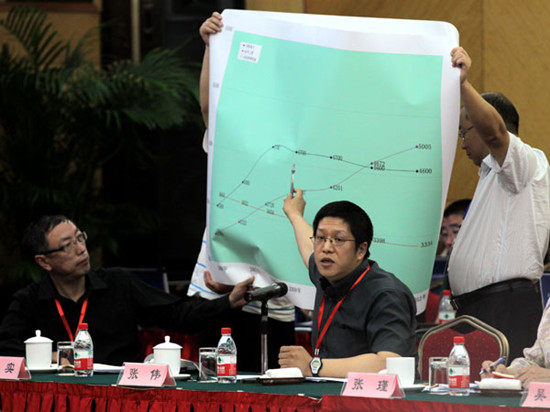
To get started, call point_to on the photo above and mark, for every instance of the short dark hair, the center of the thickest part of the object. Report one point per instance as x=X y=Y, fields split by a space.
x=458 y=207
x=34 y=239
x=505 y=108
x=357 y=219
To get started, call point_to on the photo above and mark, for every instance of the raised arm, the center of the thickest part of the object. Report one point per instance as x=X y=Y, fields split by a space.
x=212 y=25
x=484 y=117
x=294 y=209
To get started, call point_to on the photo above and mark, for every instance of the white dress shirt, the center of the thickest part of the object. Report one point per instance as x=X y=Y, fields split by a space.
x=505 y=232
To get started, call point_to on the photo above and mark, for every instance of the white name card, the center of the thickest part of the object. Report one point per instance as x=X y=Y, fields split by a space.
x=13 y=368
x=372 y=385
x=145 y=374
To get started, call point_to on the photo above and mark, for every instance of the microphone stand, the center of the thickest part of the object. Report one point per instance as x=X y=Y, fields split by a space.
x=264 y=326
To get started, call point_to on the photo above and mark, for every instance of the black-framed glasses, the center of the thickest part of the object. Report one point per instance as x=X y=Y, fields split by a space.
x=462 y=133
x=336 y=241
x=69 y=246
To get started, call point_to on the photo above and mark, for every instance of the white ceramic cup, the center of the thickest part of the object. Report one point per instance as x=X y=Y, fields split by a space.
x=403 y=368
x=38 y=352
x=170 y=354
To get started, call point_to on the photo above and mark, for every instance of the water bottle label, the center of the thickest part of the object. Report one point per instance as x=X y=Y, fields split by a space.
x=227 y=365
x=445 y=316
x=83 y=360
x=459 y=377
x=84 y=364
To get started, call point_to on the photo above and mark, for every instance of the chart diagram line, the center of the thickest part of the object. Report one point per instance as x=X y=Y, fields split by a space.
x=267 y=207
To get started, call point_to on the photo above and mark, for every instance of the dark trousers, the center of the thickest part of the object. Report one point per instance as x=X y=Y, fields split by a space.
x=245 y=330
x=515 y=311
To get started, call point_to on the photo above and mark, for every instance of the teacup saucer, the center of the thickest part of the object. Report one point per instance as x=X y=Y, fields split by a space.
x=48 y=369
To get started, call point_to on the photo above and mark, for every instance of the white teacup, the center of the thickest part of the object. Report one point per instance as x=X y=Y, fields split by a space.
x=403 y=368
x=170 y=354
x=38 y=352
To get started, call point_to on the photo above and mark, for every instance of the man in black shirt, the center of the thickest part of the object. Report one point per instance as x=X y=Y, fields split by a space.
x=112 y=302
x=362 y=313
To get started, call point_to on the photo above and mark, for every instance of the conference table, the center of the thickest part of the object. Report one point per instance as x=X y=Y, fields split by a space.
x=51 y=392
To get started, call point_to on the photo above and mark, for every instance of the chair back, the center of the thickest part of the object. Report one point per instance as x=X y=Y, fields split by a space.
x=482 y=341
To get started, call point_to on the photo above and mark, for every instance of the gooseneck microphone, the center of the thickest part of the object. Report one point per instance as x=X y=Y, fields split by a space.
x=276 y=290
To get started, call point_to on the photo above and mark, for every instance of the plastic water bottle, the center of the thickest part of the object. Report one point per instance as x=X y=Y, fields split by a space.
x=226 y=355
x=458 y=369
x=83 y=352
x=446 y=311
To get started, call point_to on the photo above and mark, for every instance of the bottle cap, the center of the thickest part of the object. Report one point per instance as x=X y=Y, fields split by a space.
x=458 y=339
x=82 y=326
x=226 y=331
x=447 y=292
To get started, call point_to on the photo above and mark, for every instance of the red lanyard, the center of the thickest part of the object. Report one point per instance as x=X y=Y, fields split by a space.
x=64 y=318
x=329 y=320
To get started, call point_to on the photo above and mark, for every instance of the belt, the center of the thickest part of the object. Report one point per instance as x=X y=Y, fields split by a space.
x=506 y=286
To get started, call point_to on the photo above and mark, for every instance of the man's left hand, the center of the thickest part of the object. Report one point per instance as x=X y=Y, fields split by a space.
x=461 y=59
x=533 y=373
x=236 y=298
x=295 y=357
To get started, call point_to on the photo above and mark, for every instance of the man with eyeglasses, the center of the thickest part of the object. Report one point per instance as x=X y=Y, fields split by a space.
x=111 y=301
x=497 y=257
x=362 y=314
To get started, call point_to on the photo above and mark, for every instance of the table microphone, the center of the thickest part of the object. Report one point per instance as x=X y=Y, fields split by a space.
x=275 y=290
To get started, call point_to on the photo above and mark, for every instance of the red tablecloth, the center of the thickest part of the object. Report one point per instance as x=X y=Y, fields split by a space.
x=21 y=396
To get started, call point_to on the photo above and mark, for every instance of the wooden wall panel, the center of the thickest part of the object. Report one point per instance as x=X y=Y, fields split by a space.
x=290 y=6
x=517 y=36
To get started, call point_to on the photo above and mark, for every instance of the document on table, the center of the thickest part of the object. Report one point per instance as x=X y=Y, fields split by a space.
x=104 y=368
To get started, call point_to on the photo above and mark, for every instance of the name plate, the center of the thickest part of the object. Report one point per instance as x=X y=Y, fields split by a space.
x=538 y=395
x=145 y=374
x=372 y=385
x=13 y=368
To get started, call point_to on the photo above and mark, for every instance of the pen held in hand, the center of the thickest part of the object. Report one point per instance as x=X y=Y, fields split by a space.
x=493 y=365
x=292 y=173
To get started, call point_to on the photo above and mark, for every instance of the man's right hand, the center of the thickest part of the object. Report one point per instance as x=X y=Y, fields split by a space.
x=294 y=209
x=212 y=25
x=294 y=204
x=486 y=366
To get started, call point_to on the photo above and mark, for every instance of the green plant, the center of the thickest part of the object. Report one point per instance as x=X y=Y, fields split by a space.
x=61 y=119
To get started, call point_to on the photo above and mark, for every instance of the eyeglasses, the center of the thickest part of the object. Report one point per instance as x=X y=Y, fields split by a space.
x=462 y=133
x=337 y=241
x=71 y=245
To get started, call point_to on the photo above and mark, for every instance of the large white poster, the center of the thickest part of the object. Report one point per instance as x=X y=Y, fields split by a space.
x=362 y=109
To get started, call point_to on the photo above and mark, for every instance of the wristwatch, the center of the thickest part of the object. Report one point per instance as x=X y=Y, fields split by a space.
x=316 y=364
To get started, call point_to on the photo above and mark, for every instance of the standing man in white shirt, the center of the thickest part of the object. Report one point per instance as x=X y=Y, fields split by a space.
x=498 y=254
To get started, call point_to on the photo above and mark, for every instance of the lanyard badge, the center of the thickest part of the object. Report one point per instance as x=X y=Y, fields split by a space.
x=316 y=364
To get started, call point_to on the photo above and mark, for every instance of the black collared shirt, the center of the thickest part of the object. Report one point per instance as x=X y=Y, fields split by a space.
x=379 y=314
x=117 y=304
